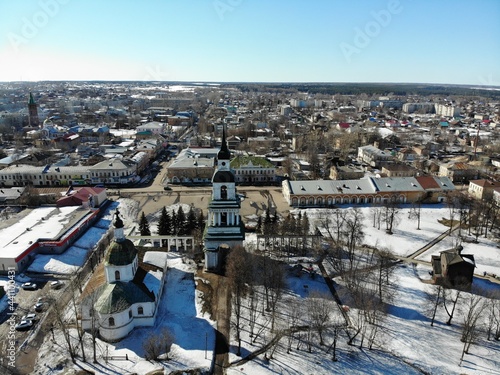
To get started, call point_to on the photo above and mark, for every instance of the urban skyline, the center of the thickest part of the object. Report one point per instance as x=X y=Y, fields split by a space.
x=446 y=42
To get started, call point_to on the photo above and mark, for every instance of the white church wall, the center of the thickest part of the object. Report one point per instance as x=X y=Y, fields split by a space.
x=126 y=271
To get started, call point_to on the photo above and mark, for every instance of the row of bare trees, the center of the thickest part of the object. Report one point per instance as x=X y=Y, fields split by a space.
x=258 y=286
x=479 y=312
x=477 y=216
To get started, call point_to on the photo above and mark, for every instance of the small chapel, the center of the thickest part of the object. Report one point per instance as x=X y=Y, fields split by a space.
x=224 y=227
x=121 y=294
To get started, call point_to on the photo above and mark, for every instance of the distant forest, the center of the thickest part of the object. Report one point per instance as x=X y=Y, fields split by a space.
x=402 y=89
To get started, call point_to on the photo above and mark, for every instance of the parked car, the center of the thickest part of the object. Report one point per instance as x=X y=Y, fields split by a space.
x=39 y=307
x=30 y=316
x=23 y=325
x=56 y=284
x=29 y=286
x=167 y=188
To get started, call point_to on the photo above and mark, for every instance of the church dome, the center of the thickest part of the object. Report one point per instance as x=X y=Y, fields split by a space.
x=121 y=253
x=223 y=176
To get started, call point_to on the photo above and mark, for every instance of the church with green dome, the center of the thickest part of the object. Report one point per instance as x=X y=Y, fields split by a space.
x=121 y=294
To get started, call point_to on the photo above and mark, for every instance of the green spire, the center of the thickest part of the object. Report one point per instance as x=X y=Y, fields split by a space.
x=32 y=100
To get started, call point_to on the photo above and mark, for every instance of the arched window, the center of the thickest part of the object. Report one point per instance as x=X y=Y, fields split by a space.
x=130 y=314
x=140 y=310
x=117 y=275
x=111 y=321
x=223 y=192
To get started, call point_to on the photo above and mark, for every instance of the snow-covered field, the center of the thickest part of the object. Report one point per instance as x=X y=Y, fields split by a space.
x=406 y=344
x=407 y=239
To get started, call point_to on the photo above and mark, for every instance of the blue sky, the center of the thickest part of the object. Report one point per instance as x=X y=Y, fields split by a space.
x=434 y=41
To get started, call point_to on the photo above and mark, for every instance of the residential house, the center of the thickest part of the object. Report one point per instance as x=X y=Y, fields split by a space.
x=88 y=197
x=399 y=170
x=482 y=189
x=373 y=156
x=436 y=188
x=346 y=172
x=458 y=172
x=253 y=170
x=407 y=155
x=154 y=127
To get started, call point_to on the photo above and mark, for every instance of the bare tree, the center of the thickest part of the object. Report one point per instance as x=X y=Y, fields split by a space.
x=384 y=261
x=157 y=344
x=437 y=300
x=254 y=302
x=353 y=232
x=493 y=318
x=452 y=203
x=74 y=297
x=319 y=309
x=271 y=274
x=391 y=213
x=377 y=216
x=59 y=308
x=453 y=296
x=415 y=211
x=295 y=312
x=474 y=307
x=239 y=273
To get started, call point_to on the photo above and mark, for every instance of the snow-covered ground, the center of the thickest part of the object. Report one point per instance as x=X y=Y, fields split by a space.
x=406 y=343
x=407 y=239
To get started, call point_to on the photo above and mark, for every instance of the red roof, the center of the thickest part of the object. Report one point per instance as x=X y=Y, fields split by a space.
x=79 y=196
x=427 y=182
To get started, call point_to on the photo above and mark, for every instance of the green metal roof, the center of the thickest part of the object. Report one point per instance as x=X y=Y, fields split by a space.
x=242 y=161
x=120 y=296
x=121 y=253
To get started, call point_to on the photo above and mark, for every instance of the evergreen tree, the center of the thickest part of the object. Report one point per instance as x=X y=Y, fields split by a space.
x=274 y=226
x=181 y=222
x=191 y=222
x=175 y=223
x=201 y=221
x=267 y=219
x=144 y=226
x=266 y=227
x=164 y=224
x=258 y=228
x=305 y=224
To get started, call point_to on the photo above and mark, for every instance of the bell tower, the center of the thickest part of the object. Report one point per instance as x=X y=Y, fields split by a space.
x=33 y=112
x=224 y=226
